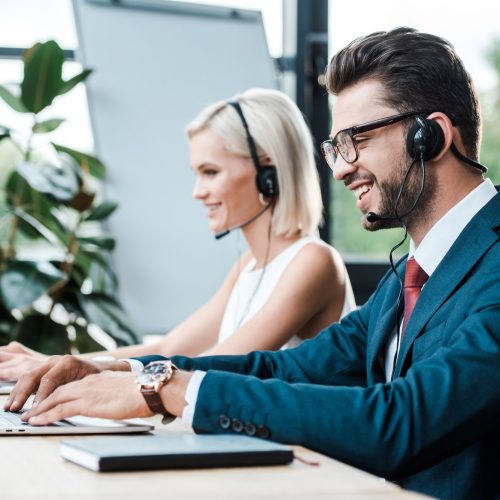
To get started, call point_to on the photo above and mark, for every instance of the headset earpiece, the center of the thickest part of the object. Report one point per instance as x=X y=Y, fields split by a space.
x=425 y=139
x=267 y=181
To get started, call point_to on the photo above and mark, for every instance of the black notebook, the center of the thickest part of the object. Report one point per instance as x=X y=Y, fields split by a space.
x=175 y=451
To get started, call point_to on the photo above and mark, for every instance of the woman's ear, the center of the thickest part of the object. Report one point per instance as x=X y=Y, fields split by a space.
x=267 y=161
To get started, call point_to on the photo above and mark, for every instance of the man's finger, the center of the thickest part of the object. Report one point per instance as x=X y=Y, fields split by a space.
x=63 y=410
x=48 y=384
x=62 y=394
x=27 y=385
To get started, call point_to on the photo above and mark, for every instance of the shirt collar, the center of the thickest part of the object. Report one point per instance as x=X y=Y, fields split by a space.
x=443 y=234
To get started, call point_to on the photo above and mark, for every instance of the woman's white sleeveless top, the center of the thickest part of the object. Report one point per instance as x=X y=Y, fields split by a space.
x=246 y=299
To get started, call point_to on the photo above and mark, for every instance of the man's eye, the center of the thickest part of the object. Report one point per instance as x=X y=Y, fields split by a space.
x=209 y=172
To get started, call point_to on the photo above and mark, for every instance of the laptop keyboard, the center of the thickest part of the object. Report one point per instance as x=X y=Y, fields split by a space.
x=11 y=420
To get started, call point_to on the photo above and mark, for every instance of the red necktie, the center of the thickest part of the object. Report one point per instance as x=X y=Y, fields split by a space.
x=415 y=278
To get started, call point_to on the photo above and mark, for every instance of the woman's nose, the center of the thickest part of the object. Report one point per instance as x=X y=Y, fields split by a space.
x=199 y=190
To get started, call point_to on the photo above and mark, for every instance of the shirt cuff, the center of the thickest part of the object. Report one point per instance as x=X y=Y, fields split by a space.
x=135 y=365
x=191 y=396
x=103 y=357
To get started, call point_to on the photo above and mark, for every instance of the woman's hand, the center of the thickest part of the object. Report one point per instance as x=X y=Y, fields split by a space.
x=18 y=348
x=16 y=359
x=106 y=395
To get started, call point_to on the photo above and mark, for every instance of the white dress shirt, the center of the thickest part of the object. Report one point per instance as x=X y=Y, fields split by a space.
x=438 y=241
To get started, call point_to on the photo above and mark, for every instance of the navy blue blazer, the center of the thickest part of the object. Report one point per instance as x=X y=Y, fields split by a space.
x=434 y=428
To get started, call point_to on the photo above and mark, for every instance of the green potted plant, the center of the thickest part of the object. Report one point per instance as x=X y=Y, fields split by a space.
x=55 y=278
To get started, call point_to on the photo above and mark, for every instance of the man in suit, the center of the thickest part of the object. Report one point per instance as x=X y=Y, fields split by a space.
x=406 y=387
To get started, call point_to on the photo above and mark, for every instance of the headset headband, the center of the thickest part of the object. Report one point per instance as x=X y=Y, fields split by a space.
x=250 y=141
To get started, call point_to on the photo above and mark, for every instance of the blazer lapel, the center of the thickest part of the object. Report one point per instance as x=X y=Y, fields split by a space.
x=385 y=325
x=472 y=243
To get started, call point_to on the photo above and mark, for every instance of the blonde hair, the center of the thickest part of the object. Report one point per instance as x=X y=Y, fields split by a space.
x=279 y=132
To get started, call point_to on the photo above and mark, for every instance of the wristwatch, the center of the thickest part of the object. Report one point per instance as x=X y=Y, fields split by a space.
x=150 y=380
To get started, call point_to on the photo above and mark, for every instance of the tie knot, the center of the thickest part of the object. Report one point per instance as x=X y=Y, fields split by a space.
x=415 y=276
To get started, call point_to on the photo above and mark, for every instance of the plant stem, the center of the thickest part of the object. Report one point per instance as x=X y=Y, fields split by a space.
x=10 y=249
x=27 y=153
x=67 y=266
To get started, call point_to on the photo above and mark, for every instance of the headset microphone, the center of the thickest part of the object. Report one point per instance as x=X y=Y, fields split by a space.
x=373 y=217
x=220 y=235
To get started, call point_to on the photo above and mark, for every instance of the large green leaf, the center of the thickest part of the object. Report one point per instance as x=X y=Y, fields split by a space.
x=47 y=125
x=7 y=323
x=69 y=299
x=72 y=82
x=43 y=334
x=20 y=196
x=40 y=229
x=106 y=312
x=23 y=282
x=87 y=162
x=102 y=211
x=42 y=75
x=58 y=182
x=94 y=266
x=84 y=342
x=13 y=101
x=95 y=242
x=89 y=258
x=4 y=132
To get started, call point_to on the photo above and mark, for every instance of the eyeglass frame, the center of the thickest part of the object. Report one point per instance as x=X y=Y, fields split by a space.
x=365 y=127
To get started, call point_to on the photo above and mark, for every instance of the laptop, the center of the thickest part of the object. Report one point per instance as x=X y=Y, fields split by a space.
x=11 y=424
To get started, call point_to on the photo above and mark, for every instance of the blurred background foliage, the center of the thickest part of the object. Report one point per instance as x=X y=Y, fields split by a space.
x=56 y=284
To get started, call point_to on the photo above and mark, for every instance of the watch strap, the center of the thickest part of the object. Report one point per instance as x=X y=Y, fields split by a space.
x=153 y=399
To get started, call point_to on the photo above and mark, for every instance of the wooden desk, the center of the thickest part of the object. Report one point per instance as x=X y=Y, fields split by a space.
x=33 y=469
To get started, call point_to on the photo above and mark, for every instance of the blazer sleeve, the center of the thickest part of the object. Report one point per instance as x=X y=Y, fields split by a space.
x=443 y=403
x=341 y=347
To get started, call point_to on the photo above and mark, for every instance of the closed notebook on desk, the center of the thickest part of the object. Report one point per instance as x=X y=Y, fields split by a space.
x=175 y=451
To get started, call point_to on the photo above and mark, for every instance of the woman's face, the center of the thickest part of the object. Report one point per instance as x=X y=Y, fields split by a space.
x=225 y=182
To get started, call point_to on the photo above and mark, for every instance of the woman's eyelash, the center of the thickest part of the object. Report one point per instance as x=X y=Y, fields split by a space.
x=210 y=172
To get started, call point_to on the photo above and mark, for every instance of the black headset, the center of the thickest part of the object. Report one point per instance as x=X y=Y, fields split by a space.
x=267 y=177
x=426 y=139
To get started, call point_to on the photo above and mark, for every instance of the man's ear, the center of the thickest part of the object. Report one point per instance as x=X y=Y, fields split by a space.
x=449 y=133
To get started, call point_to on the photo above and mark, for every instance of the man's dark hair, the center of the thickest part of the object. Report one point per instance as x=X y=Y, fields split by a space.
x=419 y=72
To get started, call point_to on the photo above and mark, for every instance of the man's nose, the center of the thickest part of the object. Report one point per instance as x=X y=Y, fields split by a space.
x=342 y=168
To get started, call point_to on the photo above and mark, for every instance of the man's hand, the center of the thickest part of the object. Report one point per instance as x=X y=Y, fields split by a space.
x=16 y=359
x=107 y=395
x=56 y=371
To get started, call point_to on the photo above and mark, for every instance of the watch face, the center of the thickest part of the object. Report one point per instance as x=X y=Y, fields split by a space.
x=155 y=372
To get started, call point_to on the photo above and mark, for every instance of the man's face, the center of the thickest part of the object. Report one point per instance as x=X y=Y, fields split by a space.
x=376 y=176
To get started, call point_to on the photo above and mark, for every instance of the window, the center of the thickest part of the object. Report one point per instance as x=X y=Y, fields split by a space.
x=23 y=23
x=272 y=15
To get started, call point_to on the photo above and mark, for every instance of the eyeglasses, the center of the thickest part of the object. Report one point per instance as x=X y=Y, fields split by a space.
x=344 y=143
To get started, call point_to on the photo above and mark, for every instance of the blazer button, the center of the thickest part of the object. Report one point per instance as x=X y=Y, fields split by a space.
x=237 y=425
x=250 y=429
x=224 y=422
x=263 y=432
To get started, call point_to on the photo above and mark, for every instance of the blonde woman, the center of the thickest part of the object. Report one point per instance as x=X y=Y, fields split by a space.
x=254 y=169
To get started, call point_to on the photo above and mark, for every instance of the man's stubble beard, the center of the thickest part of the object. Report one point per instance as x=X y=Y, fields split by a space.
x=389 y=189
